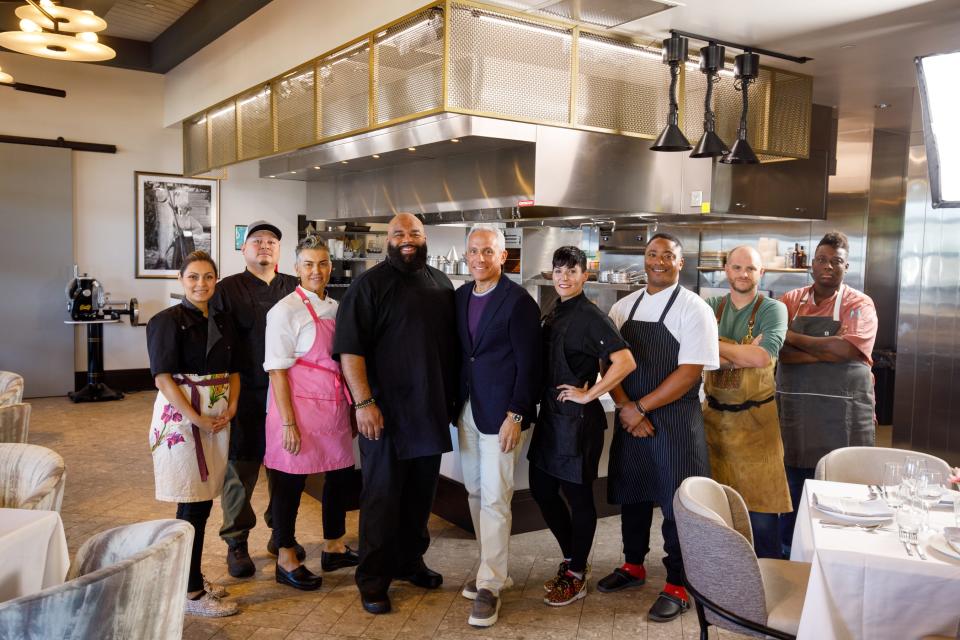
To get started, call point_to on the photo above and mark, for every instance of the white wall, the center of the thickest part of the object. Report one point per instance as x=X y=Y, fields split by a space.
x=280 y=36
x=125 y=108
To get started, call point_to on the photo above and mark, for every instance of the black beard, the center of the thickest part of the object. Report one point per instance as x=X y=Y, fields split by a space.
x=407 y=263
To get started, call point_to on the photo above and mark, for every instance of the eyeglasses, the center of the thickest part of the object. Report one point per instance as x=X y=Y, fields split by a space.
x=836 y=263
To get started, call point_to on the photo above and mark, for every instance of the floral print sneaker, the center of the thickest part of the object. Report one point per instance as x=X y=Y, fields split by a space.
x=218 y=591
x=568 y=588
x=209 y=607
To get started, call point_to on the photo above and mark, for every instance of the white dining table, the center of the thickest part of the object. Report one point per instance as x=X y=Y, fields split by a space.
x=863 y=584
x=33 y=552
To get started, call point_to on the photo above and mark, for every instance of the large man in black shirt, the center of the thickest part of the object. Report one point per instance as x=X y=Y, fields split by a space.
x=397 y=343
x=247 y=296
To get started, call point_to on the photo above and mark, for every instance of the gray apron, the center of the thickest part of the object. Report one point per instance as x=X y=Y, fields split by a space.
x=823 y=405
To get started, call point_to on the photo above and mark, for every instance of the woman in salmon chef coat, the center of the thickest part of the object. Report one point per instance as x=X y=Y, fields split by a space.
x=308 y=417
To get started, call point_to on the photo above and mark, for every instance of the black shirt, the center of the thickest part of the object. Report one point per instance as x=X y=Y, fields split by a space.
x=247 y=299
x=404 y=325
x=180 y=340
x=591 y=337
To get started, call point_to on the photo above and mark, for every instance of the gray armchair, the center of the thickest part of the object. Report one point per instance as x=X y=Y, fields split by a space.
x=128 y=582
x=731 y=587
x=864 y=465
x=11 y=388
x=14 y=422
x=31 y=477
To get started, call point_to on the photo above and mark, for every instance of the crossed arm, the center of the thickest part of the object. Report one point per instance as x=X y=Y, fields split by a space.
x=802 y=349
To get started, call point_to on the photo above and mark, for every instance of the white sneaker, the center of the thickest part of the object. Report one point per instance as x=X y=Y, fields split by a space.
x=208 y=606
x=470 y=589
x=218 y=591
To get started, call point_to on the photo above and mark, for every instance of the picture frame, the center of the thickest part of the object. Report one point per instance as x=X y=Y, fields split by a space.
x=174 y=216
x=239 y=231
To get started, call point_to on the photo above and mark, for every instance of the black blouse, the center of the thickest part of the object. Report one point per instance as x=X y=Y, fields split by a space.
x=181 y=340
x=591 y=337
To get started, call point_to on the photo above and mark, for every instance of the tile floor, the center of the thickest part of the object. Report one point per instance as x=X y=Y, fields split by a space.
x=110 y=483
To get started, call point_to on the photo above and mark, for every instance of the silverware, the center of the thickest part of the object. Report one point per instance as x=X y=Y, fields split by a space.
x=916 y=545
x=852 y=525
x=905 y=540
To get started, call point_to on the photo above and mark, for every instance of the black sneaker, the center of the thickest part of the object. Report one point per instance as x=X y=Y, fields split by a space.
x=239 y=563
x=330 y=561
x=272 y=549
x=618 y=580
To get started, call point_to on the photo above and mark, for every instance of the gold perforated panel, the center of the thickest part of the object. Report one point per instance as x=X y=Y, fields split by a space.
x=409 y=66
x=344 y=88
x=790 y=114
x=223 y=134
x=295 y=96
x=195 y=145
x=504 y=65
x=256 y=127
x=621 y=87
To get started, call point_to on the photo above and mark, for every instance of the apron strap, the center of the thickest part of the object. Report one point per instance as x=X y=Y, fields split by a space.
x=673 y=298
x=753 y=316
x=307 y=303
x=636 y=304
x=195 y=403
x=721 y=307
x=836 y=303
x=338 y=376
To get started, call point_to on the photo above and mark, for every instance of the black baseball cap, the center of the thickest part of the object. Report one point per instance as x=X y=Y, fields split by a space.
x=261 y=225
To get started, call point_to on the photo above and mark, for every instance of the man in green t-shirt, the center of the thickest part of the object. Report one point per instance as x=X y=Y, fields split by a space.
x=740 y=415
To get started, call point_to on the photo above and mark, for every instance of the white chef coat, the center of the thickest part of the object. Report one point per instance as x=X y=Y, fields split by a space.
x=290 y=328
x=691 y=321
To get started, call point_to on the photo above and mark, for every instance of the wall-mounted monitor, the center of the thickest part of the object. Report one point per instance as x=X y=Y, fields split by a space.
x=938 y=76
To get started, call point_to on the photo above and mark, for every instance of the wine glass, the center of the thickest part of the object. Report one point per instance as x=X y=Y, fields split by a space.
x=892 y=477
x=913 y=466
x=929 y=489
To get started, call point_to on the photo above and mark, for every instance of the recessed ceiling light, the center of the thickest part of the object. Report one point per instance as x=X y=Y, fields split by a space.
x=293 y=173
x=316 y=167
x=272 y=176
x=344 y=162
x=411 y=148
x=882 y=105
x=376 y=155
x=848 y=46
x=149 y=5
x=454 y=139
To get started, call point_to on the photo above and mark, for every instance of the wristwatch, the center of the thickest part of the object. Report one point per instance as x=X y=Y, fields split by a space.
x=517 y=418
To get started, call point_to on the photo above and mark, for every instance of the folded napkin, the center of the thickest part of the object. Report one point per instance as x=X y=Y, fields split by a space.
x=948 y=496
x=875 y=508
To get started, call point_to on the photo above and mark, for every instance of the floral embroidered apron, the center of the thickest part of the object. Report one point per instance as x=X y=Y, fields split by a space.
x=321 y=405
x=189 y=463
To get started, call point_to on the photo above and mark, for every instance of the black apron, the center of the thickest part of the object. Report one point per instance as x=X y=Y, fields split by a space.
x=823 y=405
x=568 y=437
x=652 y=468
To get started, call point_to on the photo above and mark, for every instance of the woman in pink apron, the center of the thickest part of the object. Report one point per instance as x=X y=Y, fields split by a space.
x=308 y=417
x=191 y=347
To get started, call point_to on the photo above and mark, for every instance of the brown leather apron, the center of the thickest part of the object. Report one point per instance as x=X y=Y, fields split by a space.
x=743 y=430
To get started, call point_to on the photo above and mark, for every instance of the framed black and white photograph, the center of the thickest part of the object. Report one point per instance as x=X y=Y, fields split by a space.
x=175 y=216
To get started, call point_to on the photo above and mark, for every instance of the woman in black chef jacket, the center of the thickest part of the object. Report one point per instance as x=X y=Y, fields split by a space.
x=191 y=348
x=567 y=442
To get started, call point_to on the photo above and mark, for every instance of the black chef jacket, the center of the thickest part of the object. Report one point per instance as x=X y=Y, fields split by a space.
x=180 y=340
x=591 y=336
x=404 y=325
x=248 y=298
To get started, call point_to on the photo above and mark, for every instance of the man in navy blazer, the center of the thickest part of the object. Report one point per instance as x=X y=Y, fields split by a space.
x=499 y=327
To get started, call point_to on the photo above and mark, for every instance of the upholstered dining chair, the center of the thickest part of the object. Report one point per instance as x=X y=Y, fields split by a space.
x=127 y=582
x=864 y=465
x=11 y=388
x=31 y=477
x=731 y=588
x=14 y=422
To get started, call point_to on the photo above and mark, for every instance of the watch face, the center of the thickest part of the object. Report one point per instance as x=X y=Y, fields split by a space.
x=517 y=417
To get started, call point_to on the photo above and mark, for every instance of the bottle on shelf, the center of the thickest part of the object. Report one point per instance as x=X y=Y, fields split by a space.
x=803 y=258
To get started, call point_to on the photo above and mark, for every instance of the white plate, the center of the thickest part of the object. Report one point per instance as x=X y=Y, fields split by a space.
x=833 y=516
x=947 y=498
x=939 y=544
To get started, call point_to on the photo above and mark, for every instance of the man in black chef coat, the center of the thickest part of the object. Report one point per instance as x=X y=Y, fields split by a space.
x=247 y=296
x=397 y=343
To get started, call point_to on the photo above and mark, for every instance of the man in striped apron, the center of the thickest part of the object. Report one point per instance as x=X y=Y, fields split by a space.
x=659 y=439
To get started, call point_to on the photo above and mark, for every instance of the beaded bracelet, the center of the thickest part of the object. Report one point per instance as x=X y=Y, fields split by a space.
x=365 y=403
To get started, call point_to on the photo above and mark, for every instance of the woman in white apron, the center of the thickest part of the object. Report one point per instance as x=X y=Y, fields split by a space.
x=308 y=417
x=191 y=349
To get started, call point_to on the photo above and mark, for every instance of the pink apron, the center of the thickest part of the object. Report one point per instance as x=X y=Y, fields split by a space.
x=321 y=405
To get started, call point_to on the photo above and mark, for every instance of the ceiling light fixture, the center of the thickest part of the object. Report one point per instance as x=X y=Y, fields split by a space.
x=711 y=63
x=411 y=148
x=375 y=156
x=746 y=68
x=45 y=28
x=939 y=96
x=672 y=138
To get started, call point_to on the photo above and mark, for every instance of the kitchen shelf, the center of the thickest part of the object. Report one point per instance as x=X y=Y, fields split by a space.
x=337 y=234
x=770 y=270
x=544 y=282
x=367 y=259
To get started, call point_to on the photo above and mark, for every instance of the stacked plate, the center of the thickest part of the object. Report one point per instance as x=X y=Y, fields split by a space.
x=853 y=510
x=713 y=259
x=947 y=543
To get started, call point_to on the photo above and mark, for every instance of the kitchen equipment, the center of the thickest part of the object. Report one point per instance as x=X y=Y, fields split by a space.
x=448 y=267
x=434 y=261
x=463 y=269
x=88 y=302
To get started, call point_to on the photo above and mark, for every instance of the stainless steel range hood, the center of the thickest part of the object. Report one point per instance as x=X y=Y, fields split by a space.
x=454 y=167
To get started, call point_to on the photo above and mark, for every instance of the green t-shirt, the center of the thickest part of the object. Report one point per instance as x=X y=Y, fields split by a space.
x=771 y=322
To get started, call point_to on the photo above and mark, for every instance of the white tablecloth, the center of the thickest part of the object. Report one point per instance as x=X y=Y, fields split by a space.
x=863 y=584
x=33 y=552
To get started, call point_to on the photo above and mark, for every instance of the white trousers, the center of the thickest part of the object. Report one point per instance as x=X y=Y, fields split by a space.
x=488 y=478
